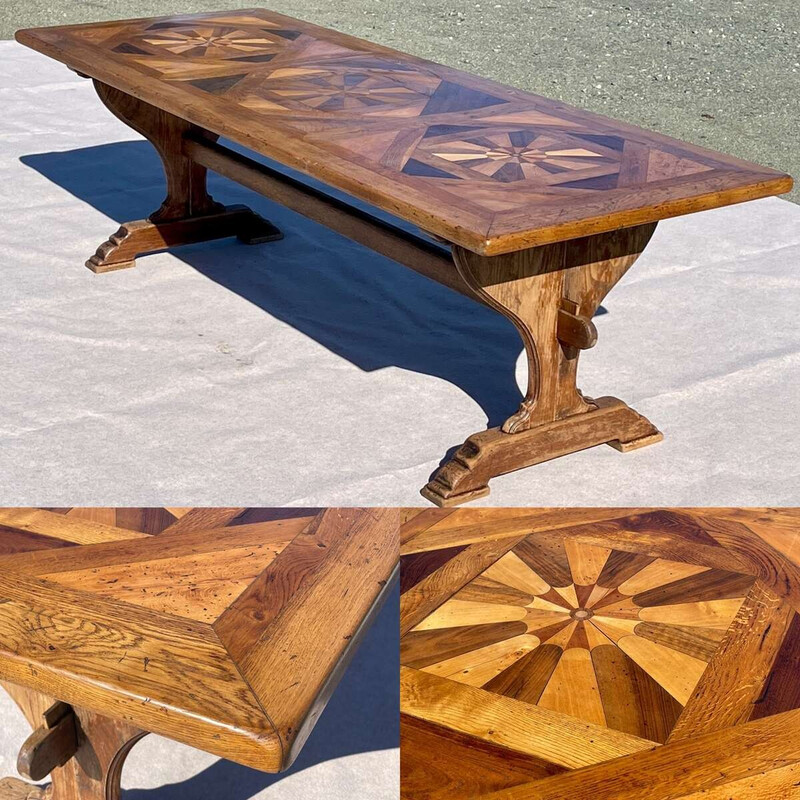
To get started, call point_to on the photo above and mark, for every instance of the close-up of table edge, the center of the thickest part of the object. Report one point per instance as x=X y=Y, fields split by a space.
x=264 y=746
x=504 y=233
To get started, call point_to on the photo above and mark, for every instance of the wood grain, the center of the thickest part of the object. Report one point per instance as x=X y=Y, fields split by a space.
x=676 y=627
x=408 y=135
x=226 y=629
x=465 y=766
x=712 y=762
x=509 y=723
x=737 y=673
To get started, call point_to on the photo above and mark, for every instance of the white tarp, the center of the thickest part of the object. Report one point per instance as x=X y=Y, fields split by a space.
x=313 y=372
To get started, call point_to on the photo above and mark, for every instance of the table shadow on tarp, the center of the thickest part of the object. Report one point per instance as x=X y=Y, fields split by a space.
x=359 y=305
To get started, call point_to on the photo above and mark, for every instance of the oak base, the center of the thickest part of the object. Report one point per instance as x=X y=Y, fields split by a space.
x=89 y=769
x=14 y=789
x=491 y=453
x=145 y=236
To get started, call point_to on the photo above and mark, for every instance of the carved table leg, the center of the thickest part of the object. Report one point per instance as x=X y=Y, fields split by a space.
x=188 y=214
x=550 y=293
x=90 y=769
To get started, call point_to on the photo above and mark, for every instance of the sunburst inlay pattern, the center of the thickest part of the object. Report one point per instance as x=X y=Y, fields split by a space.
x=352 y=90
x=210 y=42
x=575 y=636
x=524 y=154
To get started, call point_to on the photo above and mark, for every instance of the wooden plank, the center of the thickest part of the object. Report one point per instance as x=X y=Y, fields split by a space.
x=274 y=535
x=782 y=688
x=736 y=675
x=421 y=520
x=67 y=528
x=14 y=541
x=198 y=519
x=704 y=764
x=780 y=783
x=463 y=528
x=464 y=766
x=554 y=738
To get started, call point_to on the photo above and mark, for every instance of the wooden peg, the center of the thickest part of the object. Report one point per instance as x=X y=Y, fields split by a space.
x=51 y=745
x=575 y=330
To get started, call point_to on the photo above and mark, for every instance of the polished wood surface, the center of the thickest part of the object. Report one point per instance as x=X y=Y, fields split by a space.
x=536 y=209
x=490 y=168
x=226 y=629
x=608 y=653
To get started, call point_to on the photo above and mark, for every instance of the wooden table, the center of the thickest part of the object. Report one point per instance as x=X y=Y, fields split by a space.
x=533 y=207
x=600 y=654
x=225 y=629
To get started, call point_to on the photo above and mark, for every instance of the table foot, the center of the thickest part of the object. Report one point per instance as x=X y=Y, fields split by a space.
x=490 y=453
x=635 y=444
x=145 y=236
x=14 y=789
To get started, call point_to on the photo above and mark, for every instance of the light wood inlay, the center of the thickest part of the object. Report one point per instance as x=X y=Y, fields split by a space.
x=678 y=628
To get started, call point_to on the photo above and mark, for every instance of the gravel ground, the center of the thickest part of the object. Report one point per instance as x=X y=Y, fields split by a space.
x=720 y=73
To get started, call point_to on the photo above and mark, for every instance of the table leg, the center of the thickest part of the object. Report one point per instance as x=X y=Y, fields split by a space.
x=93 y=772
x=188 y=214
x=14 y=789
x=550 y=293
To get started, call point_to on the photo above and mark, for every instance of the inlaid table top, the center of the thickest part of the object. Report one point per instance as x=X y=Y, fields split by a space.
x=226 y=629
x=489 y=167
x=600 y=654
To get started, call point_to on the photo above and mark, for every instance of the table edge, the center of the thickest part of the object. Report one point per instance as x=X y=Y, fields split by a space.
x=762 y=181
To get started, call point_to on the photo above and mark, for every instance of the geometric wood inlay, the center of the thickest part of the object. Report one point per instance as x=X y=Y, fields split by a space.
x=623 y=645
x=486 y=166
x=655 y=626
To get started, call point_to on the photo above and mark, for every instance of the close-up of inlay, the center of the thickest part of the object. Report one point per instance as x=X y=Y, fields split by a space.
x=537 y=642
x=601 y=625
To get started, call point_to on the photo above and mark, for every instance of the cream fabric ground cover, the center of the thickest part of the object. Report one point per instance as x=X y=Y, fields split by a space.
x=312 y=371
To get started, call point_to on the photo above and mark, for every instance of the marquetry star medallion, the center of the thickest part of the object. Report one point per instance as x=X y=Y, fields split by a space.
x=210 y=42
x=539 y=155
x=519 y=155
x=603 y=630
x=373 y=88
